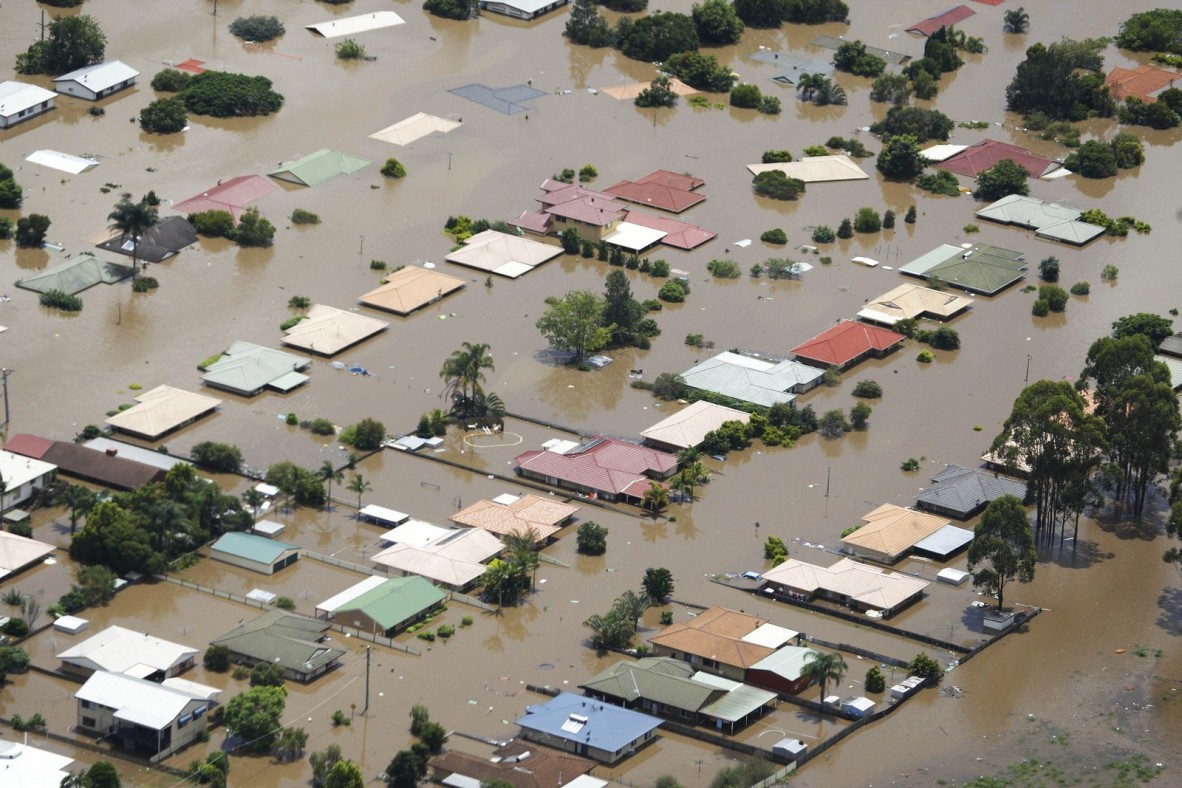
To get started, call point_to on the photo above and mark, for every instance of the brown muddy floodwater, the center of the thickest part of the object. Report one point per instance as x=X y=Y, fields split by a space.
x=1060 y=681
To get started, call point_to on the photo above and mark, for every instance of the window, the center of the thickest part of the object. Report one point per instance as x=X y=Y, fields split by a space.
x=88 y=722
x=86 y=704
x=710 y=663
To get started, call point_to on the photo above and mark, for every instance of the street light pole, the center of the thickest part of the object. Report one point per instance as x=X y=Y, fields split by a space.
x=4 y=373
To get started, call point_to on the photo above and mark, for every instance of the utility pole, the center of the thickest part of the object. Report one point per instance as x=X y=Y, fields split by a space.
x=366 y=709
x=42 y=24
x=828 y=470
x=4 y=373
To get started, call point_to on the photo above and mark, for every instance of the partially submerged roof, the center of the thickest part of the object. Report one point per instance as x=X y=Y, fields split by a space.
x=388 y=603
x=980 y=268
x=678 y=234
x=100 y=76
x=17 y=552
x=1047 y=219
x=662 y=680
x=246 y=368
x=233 y=196
x=64 y=162
x=816 y=169
x=320 y=166
x=414 y=128
x=600 y=463
x=75 y=275
x=1175 y=367
x=17 y=470
x=290 y=639
x=328 y=330
x=502 y=253
x=162 y=410
x=911 y=301
x=663 y=189
x=26 y=766
x=792 y=68
x=962 y=490
x=130 y=451
x=950 y=17
x=845 y=342
x=1143 y=82
x=411 y=288
x=251 y=547
x=866 y=585
x=120 y=650
x=16 y=97
x=595 y=725
x=455 y=559
x=753 y=380
x=890 y=530
x=517 y=515
x=833 y=42
x=352 y=25
x=688 y=427
x=980 y=156
x=136 y=700
x=96 y=466
x=1171 y=346
x=738 y=701
x=941 y=152
x=630 y=91
x=165 y=238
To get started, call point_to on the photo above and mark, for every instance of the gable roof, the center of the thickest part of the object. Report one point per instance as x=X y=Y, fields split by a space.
x=1175 y=367
x=100 y=76
x=1143 y=82
x=678 y=234
x=1048 y=219
x=411 y=288
x=327 y=330
x=750 y=379
x=252 y=547
x=980 y=156
x=833 y=42
x=845 y=342
x=392 y=601
x=662 y=680
x=792 y=68
x=75 y=275
x=136 y=700
x=65 y=162
x=165 y=462
x=121 y=650
x=17 y=552
x=630 y=91
x=248 y=368
x=600 y=463
x=892 y=530
x=455 y=558
x=26 y=766
x=502 y=253
x=544 y=515
x=351 y=25
x=950 y=17
x=911 y=301
x=414 y=128
x=16 y=97
x=1171 y=346
x=599 y=726
x=719 y=634
x=816 y=169
x=688 y=427
x=286 y=638
x=163 y=240
x=318 y=167
x=28 y=445
x=517 y=763
x=866 y=585
x=962 y=490
x=99 y=467
x=161 y=410
x=17 y=470
x=233 y=196
x=787 y=662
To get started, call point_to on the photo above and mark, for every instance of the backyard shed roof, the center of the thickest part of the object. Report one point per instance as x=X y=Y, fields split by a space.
x=1175 y=367
x=328 y=330
x=1171 y=346
x=739 y=701
x=845 y=342
x=75 y=275
x=414 y=532
x=688 y=427
x=252 y=547
x=544 y=515
x=318 y=167
x=130 y=451
x=945 y=541
x=950 y=17
x=816 y=169
x=503 y=253
x=788 y=662
x=162 y=410
x=911 y=301
x=352 y=25
x=634 y=237
x=411 y=288
x=414 y=128
x=980 y=156
x=232 y=196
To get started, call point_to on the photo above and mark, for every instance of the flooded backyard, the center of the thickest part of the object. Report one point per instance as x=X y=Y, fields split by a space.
x=1058 y=689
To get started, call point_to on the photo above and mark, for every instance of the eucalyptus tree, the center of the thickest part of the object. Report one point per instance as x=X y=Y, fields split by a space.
x=1002 y=549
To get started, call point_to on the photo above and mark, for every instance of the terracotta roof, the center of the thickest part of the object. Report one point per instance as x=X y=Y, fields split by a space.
x=977 y=158
x=716 y=634
x=656 y=195
x=590 y=210
x=674 y=180
x=845 y=342
x=558 y=192
x=1142 y=82
x=891 y=530
x=519 y=763
x=950 y=17
x=233 y=196
x=544 y=515
x=192 y=65
x=604 y=464
x=28 y=445
x=534 y=221
x=678 y=234
x=411 y=288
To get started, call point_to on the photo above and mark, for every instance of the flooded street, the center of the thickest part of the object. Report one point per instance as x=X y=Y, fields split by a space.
x=1112 y=592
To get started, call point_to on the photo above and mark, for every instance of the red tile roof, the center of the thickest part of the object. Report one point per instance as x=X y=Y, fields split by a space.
x=604 y=464
x=949 y=17
x=656 y=195
x=674 y=180
x=979 y=157
x=845 y=342
x=28 y=445
x=233 y=196
x=590 y=210
x=557 y=193
x=536 y=221
x=677 y=233
x=1142 y=82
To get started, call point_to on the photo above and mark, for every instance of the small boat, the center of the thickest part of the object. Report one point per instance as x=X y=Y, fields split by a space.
x=865 y=261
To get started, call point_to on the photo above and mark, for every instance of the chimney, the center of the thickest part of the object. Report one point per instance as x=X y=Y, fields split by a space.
x=112 y=451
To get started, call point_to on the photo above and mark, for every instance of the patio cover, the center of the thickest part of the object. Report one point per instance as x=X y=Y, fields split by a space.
x=61 y=161
x=352 y=25
x=634 y=237
x=417 y=126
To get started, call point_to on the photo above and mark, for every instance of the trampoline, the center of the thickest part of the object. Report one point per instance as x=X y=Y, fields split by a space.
x=506 y=100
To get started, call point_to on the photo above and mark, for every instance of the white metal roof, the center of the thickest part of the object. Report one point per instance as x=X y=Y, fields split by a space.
x=18 y=551
x=384 y=514
x=352 y=25
x=24 y=766
x=770 y=635
x=349 y=594
x=17 y=470
x=816 y=169
x=414 y=532
x=61 y=161
x=417 y=126
x=100 y=76
x=203 y=691
x=119 y=650
x=941 y=152
x=136 y=700
x=634 y=237
x=16 y=97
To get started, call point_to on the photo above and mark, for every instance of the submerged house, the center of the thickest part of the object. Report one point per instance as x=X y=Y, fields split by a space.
x=141 y=715
x=383 y=606
x=721 y=641
x=97 y=81
x=120 y=650
x=294 y=642
x=689 y=426
x=961 y=492
x=247 y=369
x=978 y=268
x=755 y=380
x=20 y=101
x=518 y=763
x=162 y=410
x=254 y=552
x=846 y=344
x=522 y=9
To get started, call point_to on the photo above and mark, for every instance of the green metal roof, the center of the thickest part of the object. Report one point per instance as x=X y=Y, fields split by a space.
x=738 y=703
x=659 y=679
x=981 y=269
x=286 y=638
x=252 y=547
x=74 y=276
x=318 y=167
x=395 y=601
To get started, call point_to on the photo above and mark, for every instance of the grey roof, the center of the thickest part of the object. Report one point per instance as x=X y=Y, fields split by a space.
x=792 y=67
x=246 y=368
x=982 y=268
x=286 y=638
x=962 y=490
x=599 y=726
x=751 y=380
x=1048 y=219
x=167 y=237
x=128 y=451
x=1171 y=346
x=74 y=276
x=833 y=42
x=946 y=541
x=660 y=679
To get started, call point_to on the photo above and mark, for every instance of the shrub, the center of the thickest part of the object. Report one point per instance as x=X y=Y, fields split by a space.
x=888 y=219
x=776 y=236
x=291 y=420
x=875 y=681
x=1055 y=296
x=723 y=269
x=31 y=230
x=816 y=150
x=867 y=220
x=924 y=357
x=824 y=235
x=366 y=435
x=853 y=57
x=776 y=156
x=1040 y=308
x=909 y=218
x=58 y=299
x=746 y=96
x=1109 y=273
x=445 y=631
x=1048 y=269
x=349 y=49
x=910 y=464
x=774 y=550
x=285 y=603
x=1081 y=289
x=587 y=172
x=300 y=216
x=339 y=719
x=466 y=621
x=845 y=229
x=703 y=72
x=171 y=80
x=320 y=426
x=660 y=269
x=254 y=230
x=969 y=229
x=777 y=185
x=5 y=227
x=299 y=302
x=256 y=28
x=143 y=284
x=291 y=321
x=673 y=291
x=925 y=667
x=224 y=94
x=770 y=105
x=669 y=386
x=213 y=224
x=938 y=182
x=393 y=169
x=944 y=338
x=867 y=389
x=16 y=627
x=449 y=9
x=217 y=659
x=591 y=538
x=219 y=457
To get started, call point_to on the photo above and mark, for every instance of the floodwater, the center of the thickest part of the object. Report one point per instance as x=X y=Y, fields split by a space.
x=1112 y=592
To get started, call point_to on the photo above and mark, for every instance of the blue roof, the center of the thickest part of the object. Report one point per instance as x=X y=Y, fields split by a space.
x=252 y=547
x=591 y=722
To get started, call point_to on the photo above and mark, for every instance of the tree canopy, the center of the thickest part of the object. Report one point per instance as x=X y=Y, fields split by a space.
x=254 y=716
x=657 y=36
x=1155 y=327
x=717 y=22
x=924 y=124
x=1002 y=549
x=574 y=324
x=777 y=185
x=1159 y=30
x=900 y=159
x=1047 y=81
x=1000 y=180
x=224 y=94
x=73 y=42
x=761 y=13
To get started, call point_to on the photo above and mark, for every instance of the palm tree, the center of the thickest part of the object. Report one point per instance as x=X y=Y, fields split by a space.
x=828 y=92
x=132 y=219
x=329 y=474
x=691 y=475
x=522 y=549
x=489 y=408
x=360 y=485
x=1016 y=21
x=463 y=372
x=823 y=668
x=631 y=606
x=254 y=499
x=807 y=85
x=79 y=500
x=656 y=498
